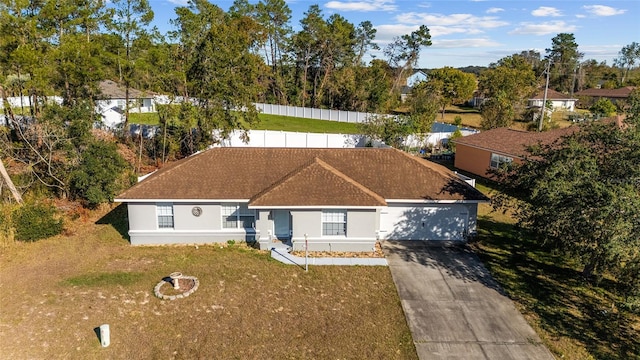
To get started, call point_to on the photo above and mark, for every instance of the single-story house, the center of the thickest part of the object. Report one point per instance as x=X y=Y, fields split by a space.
x=589 y=96
x=416 y=77
x=480 y=153
x=112 y=102
x=336 y=199
x=558 y=100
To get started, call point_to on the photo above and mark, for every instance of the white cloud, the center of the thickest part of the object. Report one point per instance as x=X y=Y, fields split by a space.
x=545 y=28
x=602 y=10
x=363 y=5
x=546 y=11
x=439 y=25
x=467 y=21
x=494 y=10
x=179 y=2
x=386 y=33
x=464 y=43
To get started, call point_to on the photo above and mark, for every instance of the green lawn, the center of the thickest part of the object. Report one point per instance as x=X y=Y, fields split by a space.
x=576 y=318
x=285 y=123
x=274 y=122
x=144 y=118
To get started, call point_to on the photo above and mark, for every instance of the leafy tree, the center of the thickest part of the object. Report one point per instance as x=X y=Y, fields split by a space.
x=99 y=175
x=533 y=58
x=592 y=73
x=373 y=84
x=391 y=130
x=506 y=85
x=451 y=86
x=423 y=107
x=603 y=107
x=306 y=50
x=627 y=58
x=274 y=17
x=222 y=71
x=451 y=143
x=130 y=23
x=404 y=51
x=580 y=195
x=564 y=57
x=365 y=34
x=497 y=111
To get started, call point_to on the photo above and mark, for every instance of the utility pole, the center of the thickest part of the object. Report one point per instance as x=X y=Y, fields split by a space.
x=544 y=99
x=576 y=70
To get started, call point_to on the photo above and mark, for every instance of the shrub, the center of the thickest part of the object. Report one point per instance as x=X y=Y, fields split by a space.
x=96 y=180
x=603 y=107
x=451 y=143
x=34 y=221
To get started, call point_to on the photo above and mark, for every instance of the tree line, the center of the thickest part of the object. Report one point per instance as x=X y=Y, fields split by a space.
x=219 y=61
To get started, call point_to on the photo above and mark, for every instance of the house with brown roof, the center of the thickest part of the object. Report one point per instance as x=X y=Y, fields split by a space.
x=558 y=100
x=480 y=153
x=336 y=199
x=615 y=95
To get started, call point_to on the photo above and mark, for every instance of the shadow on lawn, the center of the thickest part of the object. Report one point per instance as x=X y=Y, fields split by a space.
x=566 y=303
x=118 y=218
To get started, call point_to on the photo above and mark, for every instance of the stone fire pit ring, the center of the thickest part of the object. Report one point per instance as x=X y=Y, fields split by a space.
x=180 y=286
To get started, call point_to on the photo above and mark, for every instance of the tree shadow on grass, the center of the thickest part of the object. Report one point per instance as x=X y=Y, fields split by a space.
x=118 y=218
x=566 y=303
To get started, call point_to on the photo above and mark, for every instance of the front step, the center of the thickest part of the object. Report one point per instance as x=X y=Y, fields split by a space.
x=280 y=246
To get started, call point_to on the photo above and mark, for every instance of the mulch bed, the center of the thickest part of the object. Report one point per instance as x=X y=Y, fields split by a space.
x=377 y=253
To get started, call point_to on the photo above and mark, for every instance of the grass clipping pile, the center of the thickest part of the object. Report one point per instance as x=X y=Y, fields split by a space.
x=376 y=253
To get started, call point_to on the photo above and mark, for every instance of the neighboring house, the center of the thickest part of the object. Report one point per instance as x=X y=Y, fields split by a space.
x=112 y=103
x=416 y=77
x=558 y=100
x=336 y=199
x=412 y=80
x=614 y=95
x=478 y=154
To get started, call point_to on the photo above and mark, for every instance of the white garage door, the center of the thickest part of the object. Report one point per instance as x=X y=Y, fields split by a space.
x=445 y=222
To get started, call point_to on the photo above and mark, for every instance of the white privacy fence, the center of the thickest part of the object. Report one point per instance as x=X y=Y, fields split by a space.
x=416 y=141
x=268 y=138
x=313 y=113
x=288 y=139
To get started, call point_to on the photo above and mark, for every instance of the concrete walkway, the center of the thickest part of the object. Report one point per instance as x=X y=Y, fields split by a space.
x=455 y=309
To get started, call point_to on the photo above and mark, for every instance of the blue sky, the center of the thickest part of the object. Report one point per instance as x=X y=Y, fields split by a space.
x=475 y=32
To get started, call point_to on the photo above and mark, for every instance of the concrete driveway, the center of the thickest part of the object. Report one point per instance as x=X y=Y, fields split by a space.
x=454 y=308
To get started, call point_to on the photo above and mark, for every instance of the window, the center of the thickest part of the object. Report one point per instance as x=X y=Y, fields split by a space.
x=165 y=216
x=236 y=216
x=334 y=222
x=498 y=161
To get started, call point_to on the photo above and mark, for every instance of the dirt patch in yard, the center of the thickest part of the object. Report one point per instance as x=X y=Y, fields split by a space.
x=248 y=306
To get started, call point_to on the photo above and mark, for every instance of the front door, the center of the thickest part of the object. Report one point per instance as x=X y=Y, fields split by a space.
x=282 y=224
